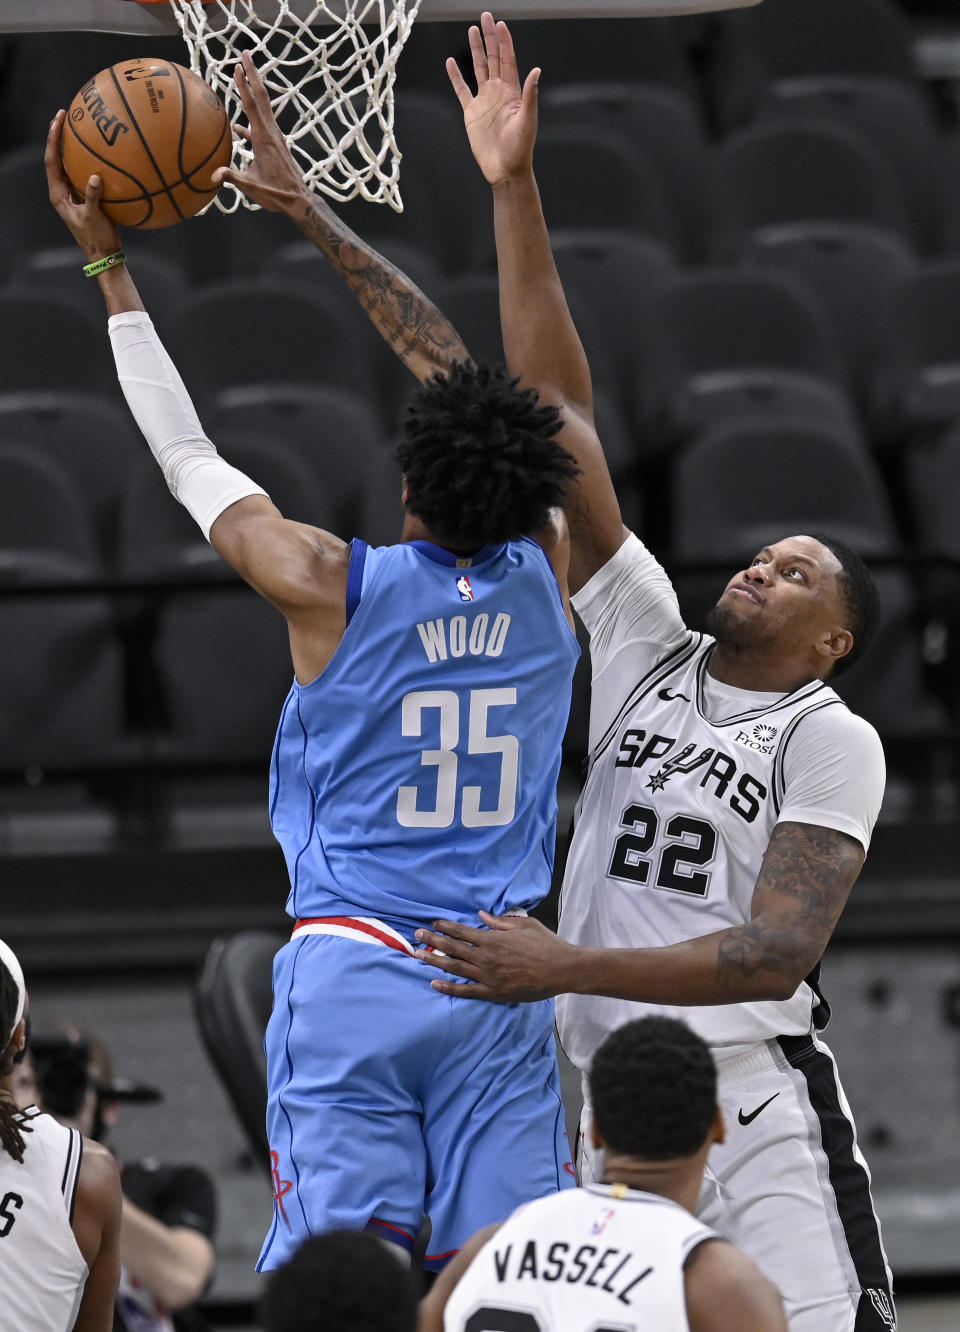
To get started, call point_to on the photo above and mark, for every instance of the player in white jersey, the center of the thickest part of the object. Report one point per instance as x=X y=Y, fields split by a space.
x=727 y=810
x=626 y=1253
x=59 y=1202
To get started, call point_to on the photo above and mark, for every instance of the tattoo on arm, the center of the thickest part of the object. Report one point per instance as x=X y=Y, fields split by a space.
x=806 y=876
x=409 y=322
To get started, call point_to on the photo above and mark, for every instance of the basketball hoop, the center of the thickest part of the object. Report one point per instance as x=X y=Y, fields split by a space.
x=329 y=68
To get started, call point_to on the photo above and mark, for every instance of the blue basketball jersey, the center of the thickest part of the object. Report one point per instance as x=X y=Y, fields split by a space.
x=416 y=776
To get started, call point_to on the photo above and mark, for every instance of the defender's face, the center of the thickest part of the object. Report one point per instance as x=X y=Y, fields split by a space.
x=789 y=594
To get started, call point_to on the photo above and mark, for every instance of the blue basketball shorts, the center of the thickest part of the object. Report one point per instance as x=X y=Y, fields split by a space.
x=388 y=1100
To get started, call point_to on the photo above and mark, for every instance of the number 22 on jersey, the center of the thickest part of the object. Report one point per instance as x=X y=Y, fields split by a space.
x=452 y=798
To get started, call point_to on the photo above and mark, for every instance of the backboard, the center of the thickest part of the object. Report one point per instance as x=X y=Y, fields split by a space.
x=156 y=19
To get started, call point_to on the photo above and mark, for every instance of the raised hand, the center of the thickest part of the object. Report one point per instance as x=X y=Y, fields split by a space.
x=501 y=119
x=89 y=225
x=272 y=180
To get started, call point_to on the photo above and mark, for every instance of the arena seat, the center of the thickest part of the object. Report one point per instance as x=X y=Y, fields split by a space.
x=93 y=442
x=613 y=275
x=446 y=201
x=890 y=686
x=332 y=431
x=472 y=304
x=932 y=473
x=578 y=50
x=806 y=171
x=301 y=267
x=915 y=382
x=381 y=510
x=219 y=657
x=772 y=44
x=932 y=476
x=897 y=118
x=55 y=274
x=233 y=997
x=74 y=349
x=27 y=222
x=40 y=512
x=667 y=126
x=599 y=178
x=64 y=682
x=720 y=343
x=739 y=487
x=236 y=333
x=300 y=264
x=742 y=482
x=850 y=268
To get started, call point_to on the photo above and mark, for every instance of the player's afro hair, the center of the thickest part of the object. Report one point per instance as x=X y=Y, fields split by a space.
x=479 y=457
x=860 y=598
x=653 y=1084
x=341 y=1281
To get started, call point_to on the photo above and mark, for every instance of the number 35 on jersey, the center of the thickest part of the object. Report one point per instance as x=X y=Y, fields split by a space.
x=467 y=726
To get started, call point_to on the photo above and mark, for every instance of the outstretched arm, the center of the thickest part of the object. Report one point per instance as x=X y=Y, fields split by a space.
x=412 y=325
x=540 y=339
x=300 y=569
x=175 y=1263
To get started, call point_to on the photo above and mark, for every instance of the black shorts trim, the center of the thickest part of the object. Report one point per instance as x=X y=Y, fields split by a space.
x=851 y=1186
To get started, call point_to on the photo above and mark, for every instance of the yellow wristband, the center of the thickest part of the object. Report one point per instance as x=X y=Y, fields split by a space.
x=101 y=265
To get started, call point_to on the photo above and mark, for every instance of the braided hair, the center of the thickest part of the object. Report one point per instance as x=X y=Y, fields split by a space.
x=479 y=457
x=12 y=1127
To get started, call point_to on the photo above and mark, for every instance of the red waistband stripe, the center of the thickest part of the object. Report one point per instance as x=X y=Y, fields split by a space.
x=366 y=928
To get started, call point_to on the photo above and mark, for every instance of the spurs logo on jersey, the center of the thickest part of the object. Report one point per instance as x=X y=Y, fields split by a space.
x=678 y=808
x=675 y=779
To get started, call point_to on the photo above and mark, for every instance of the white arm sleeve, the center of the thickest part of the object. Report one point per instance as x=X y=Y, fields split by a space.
x=834 y=774
x=197 y=476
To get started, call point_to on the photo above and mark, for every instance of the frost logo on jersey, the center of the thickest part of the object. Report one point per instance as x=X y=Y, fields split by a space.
x=464 y=588
x=760 y=739
x=682 y=762
x=881 y=1302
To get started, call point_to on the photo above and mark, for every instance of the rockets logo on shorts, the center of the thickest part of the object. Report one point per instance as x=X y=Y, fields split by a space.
x=464 y=588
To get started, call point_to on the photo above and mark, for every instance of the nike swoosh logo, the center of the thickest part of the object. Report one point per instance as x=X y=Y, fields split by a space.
x=667 y=697
x=748 y=1119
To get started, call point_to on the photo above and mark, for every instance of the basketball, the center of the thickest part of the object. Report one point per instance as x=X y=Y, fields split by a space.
x=155 y=133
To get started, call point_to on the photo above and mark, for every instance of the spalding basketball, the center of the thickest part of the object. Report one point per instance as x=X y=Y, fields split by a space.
x=154 y=132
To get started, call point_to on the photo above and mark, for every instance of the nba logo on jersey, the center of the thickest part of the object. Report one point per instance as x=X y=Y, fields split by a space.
x=464 y=588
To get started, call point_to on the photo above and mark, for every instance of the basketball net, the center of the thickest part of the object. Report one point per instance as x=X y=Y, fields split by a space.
x=329 y=77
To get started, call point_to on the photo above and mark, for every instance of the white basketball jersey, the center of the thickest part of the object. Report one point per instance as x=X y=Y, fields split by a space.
x=42 y=1266
x=687 y=779
x=603 y=1258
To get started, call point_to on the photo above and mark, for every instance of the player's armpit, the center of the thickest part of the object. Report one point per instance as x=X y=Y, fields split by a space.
x=725 y=1289
x=96 y=1224
x=292 y=565
x=803 y=885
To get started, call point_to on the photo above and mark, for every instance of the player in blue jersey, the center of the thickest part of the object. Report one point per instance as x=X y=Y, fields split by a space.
x=416 y=760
